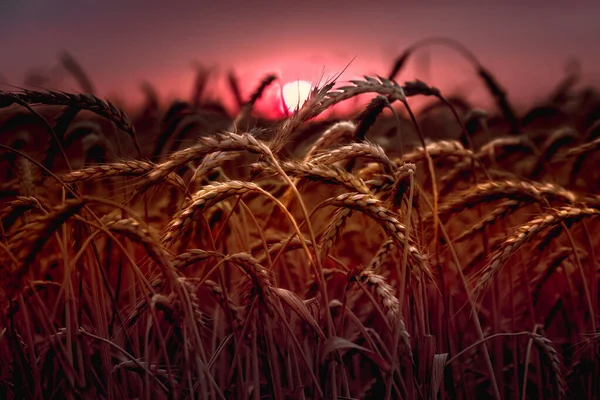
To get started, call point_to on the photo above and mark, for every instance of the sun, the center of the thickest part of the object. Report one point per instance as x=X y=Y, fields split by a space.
x=294 y=94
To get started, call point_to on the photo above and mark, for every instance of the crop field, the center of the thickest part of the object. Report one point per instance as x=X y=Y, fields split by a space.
x=182 y=250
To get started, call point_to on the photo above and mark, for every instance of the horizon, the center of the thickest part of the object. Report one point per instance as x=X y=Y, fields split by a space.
x=526 y=46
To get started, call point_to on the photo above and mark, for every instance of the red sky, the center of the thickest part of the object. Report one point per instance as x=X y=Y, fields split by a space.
x=121 y=43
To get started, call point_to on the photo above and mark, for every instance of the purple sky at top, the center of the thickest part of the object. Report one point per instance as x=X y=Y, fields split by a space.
x=120 y=43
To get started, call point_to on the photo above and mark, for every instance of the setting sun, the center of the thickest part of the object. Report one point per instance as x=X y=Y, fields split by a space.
x=294 y=94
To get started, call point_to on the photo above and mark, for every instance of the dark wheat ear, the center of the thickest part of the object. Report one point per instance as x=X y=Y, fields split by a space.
x=28 y=242
x=73 y=66
x=246 y=108
x=82 y=101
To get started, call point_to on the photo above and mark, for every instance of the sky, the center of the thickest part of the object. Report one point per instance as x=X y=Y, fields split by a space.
x=121 y=43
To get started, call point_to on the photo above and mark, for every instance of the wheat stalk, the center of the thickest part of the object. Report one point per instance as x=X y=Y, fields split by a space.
x=320 y=172
x=549 y=350
x=372 y=207
x=355 y=150
x=582 y=149
x=438 y=149
x=334 y=227
x=382 y=254
x=523 y=234
x=224 y=142
x=519 y=191
x=338 y=132
x=81 y=101
x=133 y=168
x=499 y=213
x=203 y=199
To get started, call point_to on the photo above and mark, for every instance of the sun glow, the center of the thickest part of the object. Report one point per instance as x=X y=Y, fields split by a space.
x=294 y=94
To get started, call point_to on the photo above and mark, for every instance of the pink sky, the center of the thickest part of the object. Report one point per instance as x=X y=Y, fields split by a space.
x=121 y=43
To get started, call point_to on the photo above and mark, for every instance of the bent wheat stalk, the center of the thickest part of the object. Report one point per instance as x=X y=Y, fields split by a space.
x=523 y=234
x=372 y=207
x=81 y=101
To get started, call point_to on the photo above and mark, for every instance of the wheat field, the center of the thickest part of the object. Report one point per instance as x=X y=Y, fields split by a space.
x=178 y=251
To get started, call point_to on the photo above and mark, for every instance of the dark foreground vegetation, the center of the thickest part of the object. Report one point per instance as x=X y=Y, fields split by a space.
x=181 y=252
